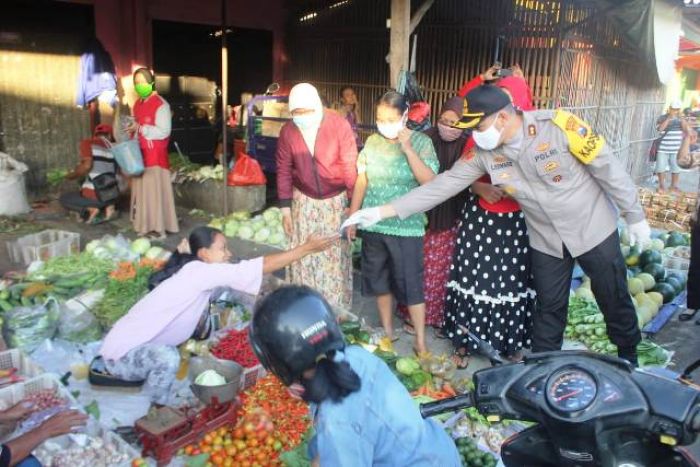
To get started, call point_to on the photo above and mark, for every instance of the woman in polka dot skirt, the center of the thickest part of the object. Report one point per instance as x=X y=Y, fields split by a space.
x=489 y=288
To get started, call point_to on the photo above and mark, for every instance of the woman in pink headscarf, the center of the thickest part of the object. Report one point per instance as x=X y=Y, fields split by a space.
x=489 y=288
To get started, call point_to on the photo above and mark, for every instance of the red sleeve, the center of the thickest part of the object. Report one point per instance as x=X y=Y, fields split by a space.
x=468 y=86
x=284 y=168
x=347 y=146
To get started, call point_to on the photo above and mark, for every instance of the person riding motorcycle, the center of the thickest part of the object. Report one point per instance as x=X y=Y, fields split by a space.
x=362 y=414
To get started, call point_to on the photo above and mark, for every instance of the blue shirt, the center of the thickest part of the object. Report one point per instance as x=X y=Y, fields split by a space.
x=379 y=425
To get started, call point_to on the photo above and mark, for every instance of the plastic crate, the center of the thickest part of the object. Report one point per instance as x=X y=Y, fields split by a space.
x=14 y=394
x=46 y=451
x=43 y=245
x=15 y=358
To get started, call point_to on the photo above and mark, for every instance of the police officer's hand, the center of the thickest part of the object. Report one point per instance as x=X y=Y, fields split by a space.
x=640 y=233
x=492 y=194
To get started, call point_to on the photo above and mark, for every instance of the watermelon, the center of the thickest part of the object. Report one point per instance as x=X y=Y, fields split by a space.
x=656 y=270
x=666 y=290
x=682 y=279
x=664 y=237
x=648 y=280
x=657 y=244
x=675 y=283
x=635 y=286
x=649 y=257
x=625 y=250
x=676 y=239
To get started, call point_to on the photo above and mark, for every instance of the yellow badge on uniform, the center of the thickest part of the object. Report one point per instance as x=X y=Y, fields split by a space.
x=584 y=144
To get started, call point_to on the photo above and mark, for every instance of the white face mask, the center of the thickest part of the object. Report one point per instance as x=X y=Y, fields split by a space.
x=391 y=130
x=488 y=139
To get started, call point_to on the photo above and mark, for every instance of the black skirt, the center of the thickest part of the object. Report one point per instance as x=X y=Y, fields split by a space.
x=490 y=290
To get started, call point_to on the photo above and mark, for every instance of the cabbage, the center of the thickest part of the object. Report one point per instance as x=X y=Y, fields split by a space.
x=272 y=215
x=217 y=224
x=154 y=252
x=140 y=246
x=210 y=378
x=407 y=366
x=240 y=215
x=257 y=224
x=111 y=244
x=100 y=252
x=275 y=238
x=262 y=235
x=231 y=228
x=246 y=232
x=90 y=247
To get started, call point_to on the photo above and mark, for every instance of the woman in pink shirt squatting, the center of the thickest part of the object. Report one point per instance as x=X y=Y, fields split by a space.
x=142 y=345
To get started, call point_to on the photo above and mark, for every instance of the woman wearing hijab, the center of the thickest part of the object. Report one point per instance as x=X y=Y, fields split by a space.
x=316 y=172
x=439 y=240
x=489 y=290
x=152 y=200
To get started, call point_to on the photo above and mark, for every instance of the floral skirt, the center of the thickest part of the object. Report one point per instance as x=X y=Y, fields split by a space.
x=330 y=271
x=438 y=247
x=489 y=290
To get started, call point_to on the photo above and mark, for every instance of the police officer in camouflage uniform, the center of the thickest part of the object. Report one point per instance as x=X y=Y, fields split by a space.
x=571 y=189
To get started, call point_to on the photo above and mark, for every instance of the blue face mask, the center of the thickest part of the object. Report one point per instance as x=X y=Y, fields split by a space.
x=305 y=121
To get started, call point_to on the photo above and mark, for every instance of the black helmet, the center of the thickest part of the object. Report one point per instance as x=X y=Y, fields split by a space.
x=291 y=328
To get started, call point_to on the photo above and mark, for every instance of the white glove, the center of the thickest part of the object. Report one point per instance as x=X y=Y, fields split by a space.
x=640 y=233
x=363 y=217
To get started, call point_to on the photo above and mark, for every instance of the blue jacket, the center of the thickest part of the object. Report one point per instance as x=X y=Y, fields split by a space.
x=379 y=425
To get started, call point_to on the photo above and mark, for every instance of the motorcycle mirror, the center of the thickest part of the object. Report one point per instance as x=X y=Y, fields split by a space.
x=272 y=88
x=484 y=348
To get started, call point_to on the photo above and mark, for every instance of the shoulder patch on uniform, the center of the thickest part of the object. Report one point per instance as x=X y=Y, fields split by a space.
x=545 y=114
x=584 y=144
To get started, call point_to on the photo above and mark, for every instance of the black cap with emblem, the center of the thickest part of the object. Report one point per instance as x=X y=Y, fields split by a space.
x=481 y=102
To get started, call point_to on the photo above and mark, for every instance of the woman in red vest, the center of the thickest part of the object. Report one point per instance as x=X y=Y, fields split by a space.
x=152 y=201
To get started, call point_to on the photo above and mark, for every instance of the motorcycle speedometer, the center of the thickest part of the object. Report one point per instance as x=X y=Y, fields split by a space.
x=571 y=390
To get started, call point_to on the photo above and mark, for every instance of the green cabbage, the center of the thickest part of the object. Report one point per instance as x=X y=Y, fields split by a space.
x=276 y=238
x=272 y=215
x=240 y=215
x=90 y=247
x=231 y=228
x=407 y=366
x=246 y=232
x=257 y=224
x=210 y=378
x=217 y=224
x=140 y=246
x=154 y=252
x=262 y=235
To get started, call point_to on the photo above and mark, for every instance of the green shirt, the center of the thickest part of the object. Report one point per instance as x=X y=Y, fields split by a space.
x=389 y=176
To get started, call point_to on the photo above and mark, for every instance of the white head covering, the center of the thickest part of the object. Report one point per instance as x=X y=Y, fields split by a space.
x=305 y=96
x=676 y=104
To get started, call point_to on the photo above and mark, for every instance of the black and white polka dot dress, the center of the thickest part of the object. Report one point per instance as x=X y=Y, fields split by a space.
x=489 y=290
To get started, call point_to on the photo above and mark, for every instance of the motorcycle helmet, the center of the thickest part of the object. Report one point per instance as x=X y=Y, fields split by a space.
x=292 y=328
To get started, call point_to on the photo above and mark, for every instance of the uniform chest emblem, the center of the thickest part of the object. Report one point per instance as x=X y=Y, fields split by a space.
x=531 y=130
x=551 y=166
x=499 y=159
x=556 y=178
x=542 y=147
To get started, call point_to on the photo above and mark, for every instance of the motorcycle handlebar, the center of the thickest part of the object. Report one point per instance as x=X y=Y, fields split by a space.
x=463 y=401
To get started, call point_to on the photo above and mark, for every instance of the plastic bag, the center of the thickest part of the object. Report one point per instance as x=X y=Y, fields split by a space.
x=13 y=194
x=77 y=324
x=128 y=156
x=27 y=327
x=246 y=172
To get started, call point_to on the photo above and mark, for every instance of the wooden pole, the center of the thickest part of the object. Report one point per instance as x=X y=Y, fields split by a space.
x=224 y=102
x=399 y=45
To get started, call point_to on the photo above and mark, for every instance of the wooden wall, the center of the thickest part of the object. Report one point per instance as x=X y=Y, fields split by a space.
x=572 y=57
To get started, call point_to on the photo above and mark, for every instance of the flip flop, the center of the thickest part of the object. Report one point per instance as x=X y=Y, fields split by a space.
x=96 y=220
x=409 y=329
x=687 y=315
x=440 y=334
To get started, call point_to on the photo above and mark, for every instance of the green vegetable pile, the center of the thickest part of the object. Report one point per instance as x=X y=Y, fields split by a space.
x=298 y=457
x=72 y=265
x=120 y=296
x=55 y=177
x=18 y=225
x=472 y=456
x=587 y=325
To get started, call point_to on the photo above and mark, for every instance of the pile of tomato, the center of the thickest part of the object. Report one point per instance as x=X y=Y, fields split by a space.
x=270 y=422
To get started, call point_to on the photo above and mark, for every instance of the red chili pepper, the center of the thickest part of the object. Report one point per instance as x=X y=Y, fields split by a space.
x=236 y=347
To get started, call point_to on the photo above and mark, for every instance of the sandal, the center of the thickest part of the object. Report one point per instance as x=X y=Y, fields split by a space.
x=409 y=329
x=461 y=360
x=98 y=219
x=440 y=334
x=687 y=315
